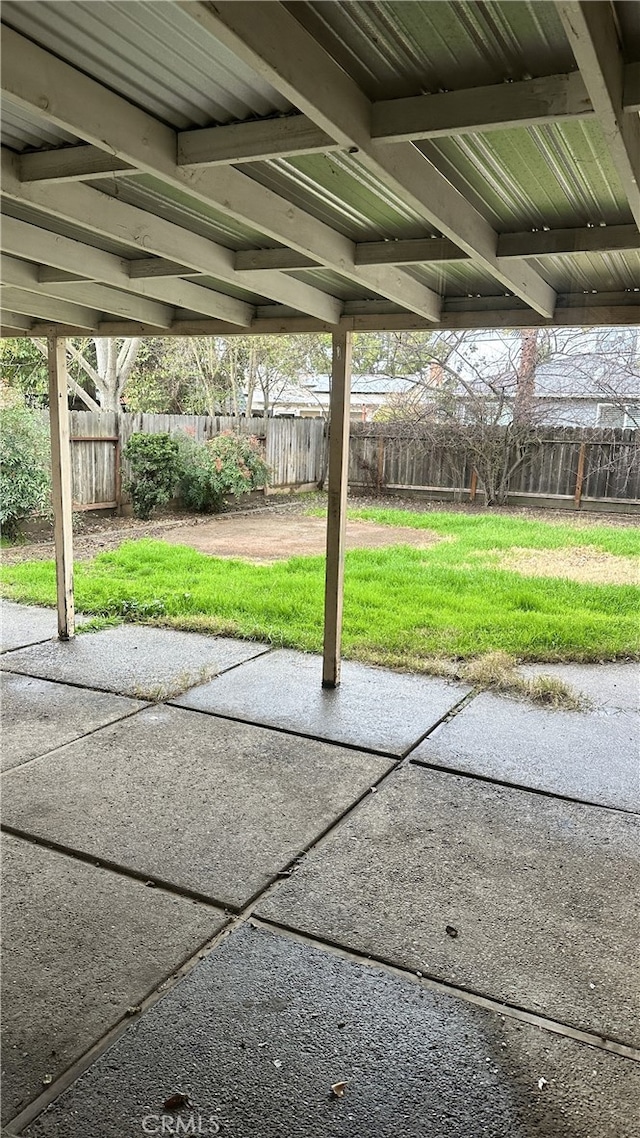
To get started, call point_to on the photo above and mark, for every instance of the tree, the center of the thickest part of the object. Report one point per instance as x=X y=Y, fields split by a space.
x=106 y=363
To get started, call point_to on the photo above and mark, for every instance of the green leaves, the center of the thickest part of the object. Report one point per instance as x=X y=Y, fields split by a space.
x=227 y=464
x=154 y=471
x=24 y=466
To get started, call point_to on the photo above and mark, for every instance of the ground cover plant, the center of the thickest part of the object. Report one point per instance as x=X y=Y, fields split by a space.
x=435 y=609
x=24 y=466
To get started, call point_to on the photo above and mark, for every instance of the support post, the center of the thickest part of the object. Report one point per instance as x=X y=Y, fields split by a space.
x=61 y=484
x=337 y=509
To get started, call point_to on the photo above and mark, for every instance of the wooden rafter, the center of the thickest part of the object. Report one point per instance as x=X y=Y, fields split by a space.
x=268 y=38
x=592 y=33
x=100 y=117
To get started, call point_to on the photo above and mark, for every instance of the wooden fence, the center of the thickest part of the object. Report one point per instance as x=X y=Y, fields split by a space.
x=567 y=467
x=563 y=467
x=294 y=449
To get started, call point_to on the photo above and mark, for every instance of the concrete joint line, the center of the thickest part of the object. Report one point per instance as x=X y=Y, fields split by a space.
x=513 y=1011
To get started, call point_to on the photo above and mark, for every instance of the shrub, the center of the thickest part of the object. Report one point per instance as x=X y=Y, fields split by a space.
x=227 y=464
x=153 y=460
x=24 y=466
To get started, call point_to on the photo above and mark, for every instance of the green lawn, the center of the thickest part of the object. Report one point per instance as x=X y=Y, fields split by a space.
x=403 y=606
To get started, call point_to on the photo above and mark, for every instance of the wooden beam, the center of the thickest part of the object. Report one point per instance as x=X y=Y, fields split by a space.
x=29 y=303
x=90 y=295
x=631 y=93
x=17 y=323
x=47 y=275
x=45 y=85
x=129 y=225
x=159 y=267
x=500 y=106
x=61 y=491
x=561 y=242
x=408 y=252
x=24 y=240
x=339 y=422
x=268 y=38
x=432 y=250
x=601 y=315
x=252 y=141
x=592 y=32
x=70 y=164
x=248 y=260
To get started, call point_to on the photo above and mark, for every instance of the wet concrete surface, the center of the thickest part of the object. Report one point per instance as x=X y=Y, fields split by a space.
x=26 y=624
x=80 y=946
x=134 y=660
x=593 y=756
x=539 y=894
x=210 y=806
x=609 y=687
x=38 y=716
x=260 y=1031
x=373 y=708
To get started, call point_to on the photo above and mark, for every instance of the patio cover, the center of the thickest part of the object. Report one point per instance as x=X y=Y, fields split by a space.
x=194 y=168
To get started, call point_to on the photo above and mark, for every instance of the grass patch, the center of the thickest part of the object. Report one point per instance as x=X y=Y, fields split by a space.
x=448 y=610
x=97 y=624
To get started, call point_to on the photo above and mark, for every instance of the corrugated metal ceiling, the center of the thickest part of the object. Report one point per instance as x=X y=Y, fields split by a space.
x=414 y=47
x=179 y=207
x=150 y=52
x=555 y=175
x=21 y=129
x=338 y=190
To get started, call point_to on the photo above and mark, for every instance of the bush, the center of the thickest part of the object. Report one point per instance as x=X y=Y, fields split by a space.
x=154 y=471
x=227 y=464
x=25 y=479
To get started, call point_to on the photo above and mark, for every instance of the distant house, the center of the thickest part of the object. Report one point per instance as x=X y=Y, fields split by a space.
x=309 y=397
x=586 y=392
x=581 y=391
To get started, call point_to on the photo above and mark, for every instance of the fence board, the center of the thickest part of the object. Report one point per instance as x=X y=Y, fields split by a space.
x=295 y=450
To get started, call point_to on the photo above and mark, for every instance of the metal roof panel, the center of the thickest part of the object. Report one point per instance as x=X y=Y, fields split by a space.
x=152 y=54
x=394 y=48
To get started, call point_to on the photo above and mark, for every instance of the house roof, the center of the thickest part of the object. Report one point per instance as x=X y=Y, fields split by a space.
x=184 y=168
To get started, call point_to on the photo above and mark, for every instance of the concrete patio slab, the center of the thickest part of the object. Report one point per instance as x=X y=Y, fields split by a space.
x=380 y=710
x=38 y=716
x=134 y=660
x=21 y=625
x=593 y=756
x=519 y=897
x=205 y=804
x=80 y=946
x=610 y=687
x=258 y=1033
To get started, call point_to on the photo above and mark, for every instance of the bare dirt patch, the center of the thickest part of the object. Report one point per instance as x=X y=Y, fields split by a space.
x=582 y=563
x=272 y=534
x=279 y=536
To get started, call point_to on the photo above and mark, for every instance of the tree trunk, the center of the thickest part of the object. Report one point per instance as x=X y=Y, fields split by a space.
x=526 y=377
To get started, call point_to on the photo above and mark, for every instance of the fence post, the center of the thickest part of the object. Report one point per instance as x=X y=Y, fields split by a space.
x=337 y=508
x=577 y=497
x=380 y=461
x=117 y=469
x=61 y=484
x=474 y=485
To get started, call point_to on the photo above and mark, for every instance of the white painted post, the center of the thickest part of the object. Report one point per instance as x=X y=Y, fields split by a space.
x=337 y=508
x=61 y=484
